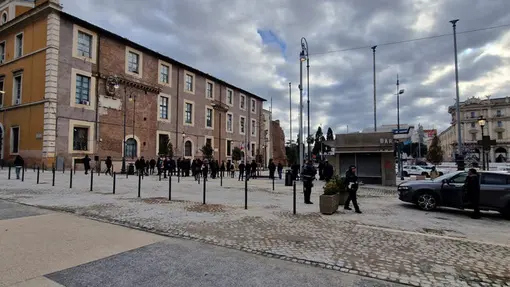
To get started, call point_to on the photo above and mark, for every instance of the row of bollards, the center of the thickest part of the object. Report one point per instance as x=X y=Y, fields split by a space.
x=140 y=176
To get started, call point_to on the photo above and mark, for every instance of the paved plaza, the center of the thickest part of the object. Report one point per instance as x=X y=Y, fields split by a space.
x=391 y=240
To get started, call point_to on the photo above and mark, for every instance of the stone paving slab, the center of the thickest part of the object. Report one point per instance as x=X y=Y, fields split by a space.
x=387 y=248
x=10 y=210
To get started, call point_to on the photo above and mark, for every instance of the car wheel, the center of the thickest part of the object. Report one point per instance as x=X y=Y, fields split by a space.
x=427 y=201
x=405 y=174
x=506 y=211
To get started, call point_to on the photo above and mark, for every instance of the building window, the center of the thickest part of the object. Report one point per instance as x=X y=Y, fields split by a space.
x=4 y=17
x=84 y=44
x=82 y=90
x=253 y=106
x=473 y=114
x=253 y=127
x=473 y=125
x=18 y=48
x=163 y=141
x=229 y=148
x=163 y=108
x=209 y=117
x=229 y=122
x=241 y=125
x=188 y=113
x=1 y=95
x=188 y=148
x=500 y=135
x=242 y=102
x=230 y=97
x=2 y=52
x=80 y=138
x=131 y=148
x=17 y=88
x=189 y=82
x=15 y=137
x=208 y=142
x=133 y=62
x=473 y=137
x=252 y=149
x=164 y=74
x=500 y=124
x=498 y=113
x=209 y=90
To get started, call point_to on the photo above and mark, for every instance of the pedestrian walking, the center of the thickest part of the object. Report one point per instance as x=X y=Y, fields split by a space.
x=86 y=163
x=351 y=181
x=328 y=171
x=109 y=165
x=308 y=176
x=272 y=168
x=222 y=169
x=280 y=170
x=18 y=165
x=241 y=171
x=152 y=166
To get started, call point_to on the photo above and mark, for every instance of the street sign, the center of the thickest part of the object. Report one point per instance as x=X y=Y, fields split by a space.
x=400 y=131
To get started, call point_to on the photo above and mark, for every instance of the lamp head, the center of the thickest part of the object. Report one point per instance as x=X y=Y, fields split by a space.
x=302 y=56
x=482 y=121
x=116 y=86
x=401 y=92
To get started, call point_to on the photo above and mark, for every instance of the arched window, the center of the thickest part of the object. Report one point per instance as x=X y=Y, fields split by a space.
x=4 y=17
x=131 y=148
x=188 y=148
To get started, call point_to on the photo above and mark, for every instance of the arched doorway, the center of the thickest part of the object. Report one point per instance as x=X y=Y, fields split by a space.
x=500 y=154
x=188 y=149
x=131 y=148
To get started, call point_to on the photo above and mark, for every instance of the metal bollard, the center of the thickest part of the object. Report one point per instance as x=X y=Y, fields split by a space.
x=91 y=179
x=53 y=177
x=139 y=184
x=198 y=178
x=64 y=168
x=23 y=173
x=170 y=187
x=71 y=179
x=37 y=175
x=246 y=193
x=178 y=175
x=160 y=176
x=9 y=174
x=114 y=180
x=221 y=178
x=203 y=194
x=294 y=198
x=273 y=183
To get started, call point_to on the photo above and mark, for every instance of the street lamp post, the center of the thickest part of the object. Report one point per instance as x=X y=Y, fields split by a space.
x=482 y=121
x=375 y=102
x=183 y=147
x=133 y=99
x=304 y=50
x=399 y=92
x=302 y=58
x=457 y=105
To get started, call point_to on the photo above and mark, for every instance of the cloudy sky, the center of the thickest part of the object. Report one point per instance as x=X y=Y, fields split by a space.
x=255 y=45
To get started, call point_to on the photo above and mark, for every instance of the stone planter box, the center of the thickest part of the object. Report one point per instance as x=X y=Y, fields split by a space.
x=342 y=197
x=328 y=204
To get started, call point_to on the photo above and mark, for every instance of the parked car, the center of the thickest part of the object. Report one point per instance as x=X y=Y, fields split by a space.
x=440 y=171
x=415 y=170
x=448 y=191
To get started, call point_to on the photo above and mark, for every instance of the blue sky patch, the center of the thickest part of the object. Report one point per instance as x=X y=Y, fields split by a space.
x=269 y=37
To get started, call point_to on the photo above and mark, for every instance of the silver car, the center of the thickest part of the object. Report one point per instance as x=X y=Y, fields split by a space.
x=448 y=191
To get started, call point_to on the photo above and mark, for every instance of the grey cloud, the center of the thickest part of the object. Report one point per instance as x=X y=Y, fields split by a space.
x=211 y=35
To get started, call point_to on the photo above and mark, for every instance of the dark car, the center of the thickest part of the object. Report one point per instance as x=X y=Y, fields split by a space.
x=448 y=191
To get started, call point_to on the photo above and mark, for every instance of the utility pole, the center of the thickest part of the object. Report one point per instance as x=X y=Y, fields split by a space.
x=398 y=132
x=290 y=112
x=375 y=99
x=457 y=106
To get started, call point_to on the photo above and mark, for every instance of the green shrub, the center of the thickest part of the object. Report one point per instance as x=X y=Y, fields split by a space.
x=335 y=185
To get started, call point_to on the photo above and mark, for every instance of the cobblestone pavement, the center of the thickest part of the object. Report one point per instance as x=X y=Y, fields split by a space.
x=390 y=241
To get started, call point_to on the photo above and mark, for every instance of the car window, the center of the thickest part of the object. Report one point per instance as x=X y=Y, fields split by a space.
x=494 y=179
x=459 y=178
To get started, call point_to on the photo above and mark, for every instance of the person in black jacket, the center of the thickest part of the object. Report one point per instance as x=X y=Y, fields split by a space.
x=328 y=171
x=272 y=167
x=472 y=187
x=152 y=166
x=241 y=171
x=86 y=163
x=351 y=181
x=19 y=163
x=109 y=164
x=308 y=176
x=280 y=170
x=222 y=169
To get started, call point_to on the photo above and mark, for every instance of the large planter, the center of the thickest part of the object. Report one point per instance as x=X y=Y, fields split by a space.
x=342 y=197
x=328 y=204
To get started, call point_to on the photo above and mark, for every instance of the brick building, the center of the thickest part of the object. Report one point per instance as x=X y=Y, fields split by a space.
x=278 y=143
x=103 y=90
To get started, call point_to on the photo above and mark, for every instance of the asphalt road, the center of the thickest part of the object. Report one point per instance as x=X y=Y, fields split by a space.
x=167 y=262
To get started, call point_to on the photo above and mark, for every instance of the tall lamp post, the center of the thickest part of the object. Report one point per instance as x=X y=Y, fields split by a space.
x=304 y=52
x=457 y=105
x=302 y=58
x=183 y=147
x=399 y=92
x=482 y=121
x=375 y=101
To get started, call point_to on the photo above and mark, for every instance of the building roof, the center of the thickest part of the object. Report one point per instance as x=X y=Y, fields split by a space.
x=481 y=103
x=387 y=128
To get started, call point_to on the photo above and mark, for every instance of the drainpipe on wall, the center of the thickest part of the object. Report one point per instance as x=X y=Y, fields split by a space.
x=98 y=78
x=177 y=116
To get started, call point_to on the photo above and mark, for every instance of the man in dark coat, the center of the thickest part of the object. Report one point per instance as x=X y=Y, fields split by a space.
x=272 y=167
x=472 y=187
x=222 y=169
x=241 y=170
x=86 y=163
x=109 y=164
x=280 y=170
x=328 y=171
x=351 y=182
x=308 y=176
x=19 y=163
x=321 y=170
x=152 y=166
